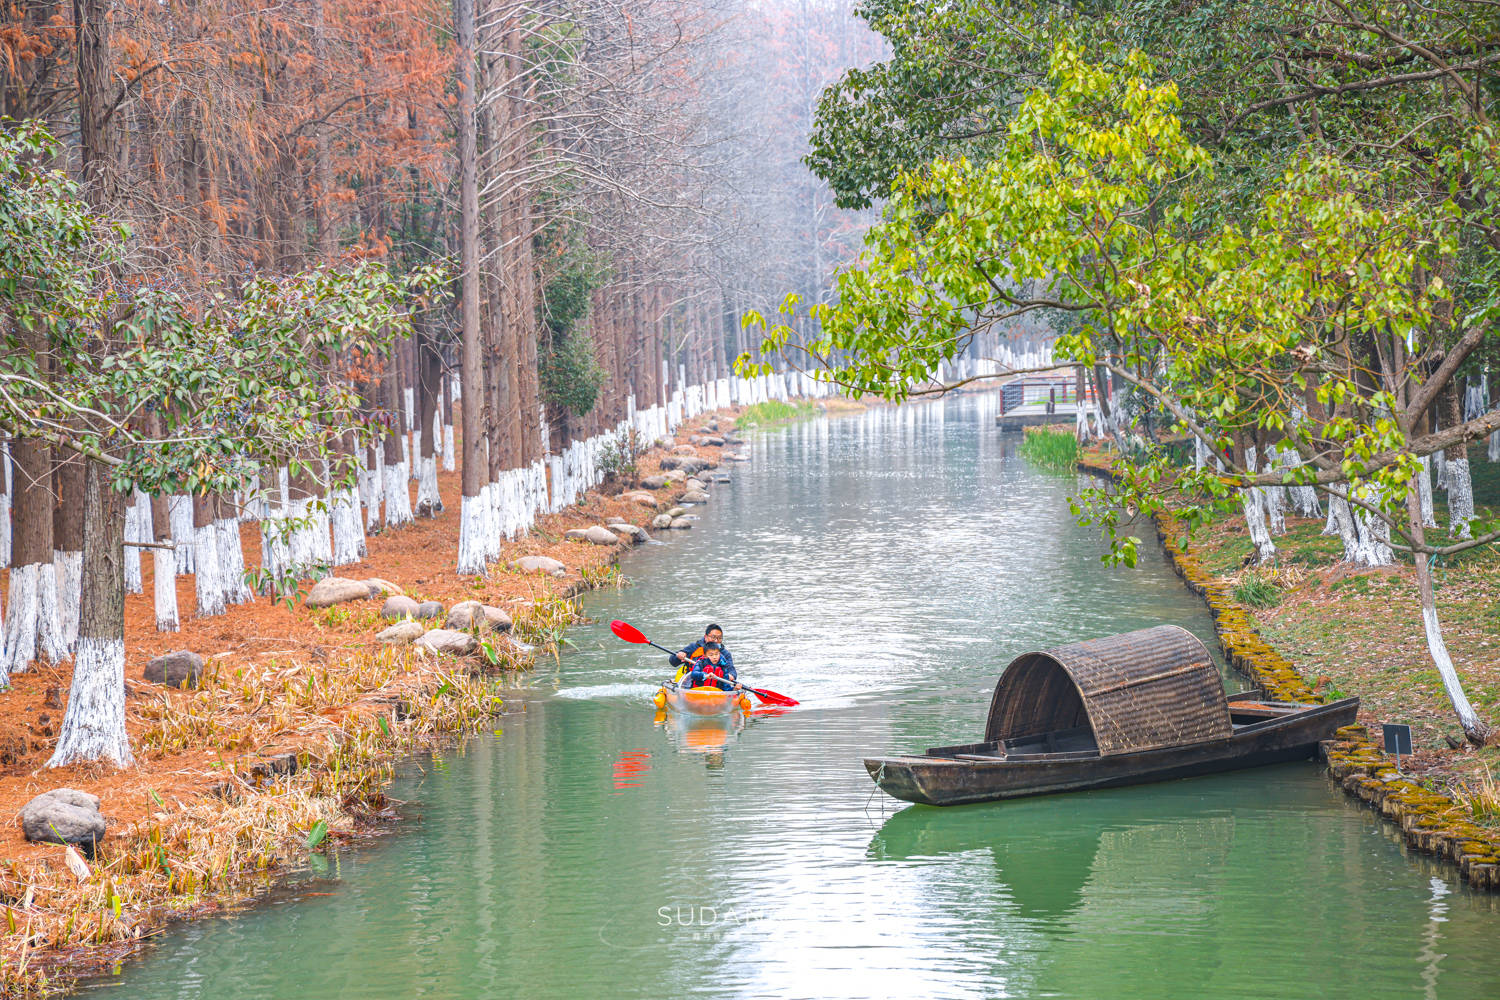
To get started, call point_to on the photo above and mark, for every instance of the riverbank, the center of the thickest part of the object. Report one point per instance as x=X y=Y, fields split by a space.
x=1313 y=630
x=292 y=732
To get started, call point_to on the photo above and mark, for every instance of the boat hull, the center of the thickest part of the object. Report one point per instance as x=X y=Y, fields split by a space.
x=704 y=702
x=944 y=781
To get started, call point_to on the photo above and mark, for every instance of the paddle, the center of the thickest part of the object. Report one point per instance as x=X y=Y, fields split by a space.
x=630 y=633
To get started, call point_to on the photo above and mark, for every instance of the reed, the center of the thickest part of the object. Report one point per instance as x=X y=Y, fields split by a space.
x=774 y=411
x=1052 y=447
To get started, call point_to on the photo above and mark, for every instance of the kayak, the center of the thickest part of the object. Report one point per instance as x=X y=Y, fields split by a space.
x=700 y=700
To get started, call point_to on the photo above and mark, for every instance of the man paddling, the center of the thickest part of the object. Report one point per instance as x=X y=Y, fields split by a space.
x=698 y=648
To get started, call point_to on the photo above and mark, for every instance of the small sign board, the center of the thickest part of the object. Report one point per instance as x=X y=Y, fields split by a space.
x=1397 y=739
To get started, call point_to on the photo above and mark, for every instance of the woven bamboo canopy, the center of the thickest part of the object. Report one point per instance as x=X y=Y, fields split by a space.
x=1142 y=690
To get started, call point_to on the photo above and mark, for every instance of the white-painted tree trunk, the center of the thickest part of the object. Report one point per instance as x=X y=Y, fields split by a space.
x=132 y=555
x=1366 y=537
x=6 y=492
x=1201 y=453
x=164 y=589
x=232 y=563
x=208 y=577
x=93 y=727
x=1460 y=498
x=180 y=513
x=347 y=528
x=1255 y=521
x=300 y=543
x=471 y=518
x=450 y=460
x=1494 y=446
x=31 y=627
x=429 y=503
x=397 y=497
x=69 y=568
x=377 y=489
x=1304 y=499
x=322 y=532
x=1440 y=471
x=1424 y=493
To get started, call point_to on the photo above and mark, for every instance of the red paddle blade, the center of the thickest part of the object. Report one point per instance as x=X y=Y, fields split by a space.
x=772 y=698
x=627 y=632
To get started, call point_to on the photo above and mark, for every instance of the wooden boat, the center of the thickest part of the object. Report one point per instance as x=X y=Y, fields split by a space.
x=701 y=701
x=1121 y=710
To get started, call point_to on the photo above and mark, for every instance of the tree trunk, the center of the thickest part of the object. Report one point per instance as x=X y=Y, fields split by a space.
x=450 y=460
x=429 y=386
x=67 y=545
x=1475 y=729
x=394 y=484
x=231 y=554
x=31 y=617
x=1460 y=486
x=93 y=727
x=136 y=530
x=471 y=517
x=163 y=566
x=344 y=521
x=207 y=574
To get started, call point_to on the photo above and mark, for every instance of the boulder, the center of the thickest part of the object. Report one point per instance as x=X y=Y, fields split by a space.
x=644 y=499
x=694 y=483
x=677 y=512
x=736 y=458
x=688 y=464
x=722 y=477
x=63 y=816
x=675 y=475
x=685 y=449
x=539 y=564
x=596 y=534
x=714 y=441
x=428 y=610
x=333 y=590
x=176 y=669
x=401 y=632
x=694 y=496
x=468 y=614
x=680 y=522
x=654 y=482
x=399 y=606
x=661 y=521
x=442 y=640
x=632 y=533
x=378 y=586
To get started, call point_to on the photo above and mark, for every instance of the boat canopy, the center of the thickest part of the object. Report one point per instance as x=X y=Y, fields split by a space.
x=1156 y=687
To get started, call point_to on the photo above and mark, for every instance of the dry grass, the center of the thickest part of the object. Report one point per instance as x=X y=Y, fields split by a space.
x=350 y=722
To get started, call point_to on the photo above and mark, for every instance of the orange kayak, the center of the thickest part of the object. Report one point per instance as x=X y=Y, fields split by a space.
x=701 y=700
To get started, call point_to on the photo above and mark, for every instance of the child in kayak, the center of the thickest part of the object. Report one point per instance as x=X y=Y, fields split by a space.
x=695 y=650
x=711 y=670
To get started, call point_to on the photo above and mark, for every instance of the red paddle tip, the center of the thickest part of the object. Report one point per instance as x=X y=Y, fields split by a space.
x=627 y=631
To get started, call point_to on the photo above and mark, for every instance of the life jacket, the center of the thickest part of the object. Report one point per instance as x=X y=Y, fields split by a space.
x=711 y=671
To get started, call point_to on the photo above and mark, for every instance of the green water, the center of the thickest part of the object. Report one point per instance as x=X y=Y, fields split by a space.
x=882 y=569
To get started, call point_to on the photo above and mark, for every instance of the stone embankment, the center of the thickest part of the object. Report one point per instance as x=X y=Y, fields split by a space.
x=1429 y=821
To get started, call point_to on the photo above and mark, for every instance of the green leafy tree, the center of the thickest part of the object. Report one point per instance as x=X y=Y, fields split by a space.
x=1322 y=323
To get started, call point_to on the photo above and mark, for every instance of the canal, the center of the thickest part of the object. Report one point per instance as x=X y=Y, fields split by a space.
x=881 y=568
